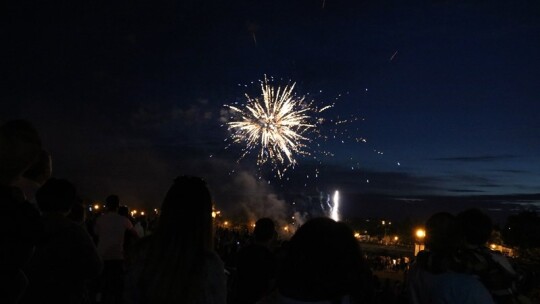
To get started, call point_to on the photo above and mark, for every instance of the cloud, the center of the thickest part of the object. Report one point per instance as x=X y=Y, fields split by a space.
x=368 y=181
x=481 y=158
x=191 y=113
x=511 y=171
x=465 y=191
x=469 y=179
x=139 y=176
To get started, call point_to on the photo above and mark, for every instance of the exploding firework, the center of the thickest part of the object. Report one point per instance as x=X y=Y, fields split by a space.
x=277 y=123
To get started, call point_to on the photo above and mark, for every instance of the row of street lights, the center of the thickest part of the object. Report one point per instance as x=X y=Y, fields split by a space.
x=98 y=207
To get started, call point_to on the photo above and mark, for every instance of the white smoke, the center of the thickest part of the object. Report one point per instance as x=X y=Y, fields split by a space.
x=255 y=199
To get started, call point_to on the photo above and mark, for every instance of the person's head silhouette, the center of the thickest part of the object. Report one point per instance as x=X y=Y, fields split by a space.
x=112 y=203
x=20 y=145
x=56 y=196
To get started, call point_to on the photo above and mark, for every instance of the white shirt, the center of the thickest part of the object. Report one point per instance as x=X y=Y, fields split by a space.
x=110 y=229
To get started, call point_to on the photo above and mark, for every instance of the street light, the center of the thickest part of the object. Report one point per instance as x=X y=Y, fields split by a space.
x=419 y=242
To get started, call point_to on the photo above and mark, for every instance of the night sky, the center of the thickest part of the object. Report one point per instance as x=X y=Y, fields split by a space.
x=129 y=94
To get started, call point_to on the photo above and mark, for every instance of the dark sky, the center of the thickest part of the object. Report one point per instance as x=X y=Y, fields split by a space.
x=129 y=94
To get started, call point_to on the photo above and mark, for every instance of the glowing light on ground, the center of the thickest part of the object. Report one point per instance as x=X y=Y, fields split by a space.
x=335 y=207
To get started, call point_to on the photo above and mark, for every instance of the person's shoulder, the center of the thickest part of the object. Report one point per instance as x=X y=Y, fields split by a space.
x=75 y=232
x=212 y=259
x=212 y=256
x=139 y=249
x=113 y=216
x=460 y=281
x=255 y=248
x=454 y=287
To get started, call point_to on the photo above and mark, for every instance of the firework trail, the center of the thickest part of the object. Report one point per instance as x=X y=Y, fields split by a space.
x=335 y=207
x=277 y=123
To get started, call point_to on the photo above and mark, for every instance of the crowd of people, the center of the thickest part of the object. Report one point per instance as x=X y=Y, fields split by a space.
x=51 y=254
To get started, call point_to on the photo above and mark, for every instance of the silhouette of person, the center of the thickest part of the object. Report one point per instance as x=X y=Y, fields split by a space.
x=35 y=176
x=177 y=263
x=256 y=268
x=434 y=276
x=129 y=237
x=78 y=214
x=110 y=229
x=65 y=257
x=324 y=264
x=20 y=146
x=493 y=268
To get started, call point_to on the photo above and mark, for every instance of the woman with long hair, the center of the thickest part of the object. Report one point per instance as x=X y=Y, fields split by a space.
x=324 y=265
x=177 y=263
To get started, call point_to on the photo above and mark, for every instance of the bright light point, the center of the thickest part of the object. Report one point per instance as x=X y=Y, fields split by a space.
x=420 y=233
x=225 y=223
x=398 y=164
x=357 y=235
x=335 y=207
x=142 y=212
x=96 y=206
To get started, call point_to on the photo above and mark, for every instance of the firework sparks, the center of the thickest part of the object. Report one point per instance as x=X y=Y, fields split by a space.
x=277 y=123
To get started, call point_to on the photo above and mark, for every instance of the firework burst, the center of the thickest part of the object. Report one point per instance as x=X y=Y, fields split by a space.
x=277 y=124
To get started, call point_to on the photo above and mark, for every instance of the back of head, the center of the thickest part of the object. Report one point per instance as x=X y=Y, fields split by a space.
x=20 y=145
x=41 y=169
x=77 y=212
x=442 y=233
x=56 y=195
x=186 y=213
x=123 y=211
x=265 y=230
x=476 y=225
x=324 y=262
x=112 y=202
x=173 y=271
